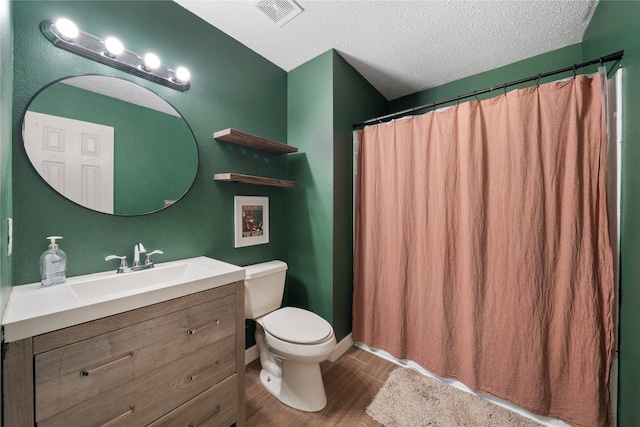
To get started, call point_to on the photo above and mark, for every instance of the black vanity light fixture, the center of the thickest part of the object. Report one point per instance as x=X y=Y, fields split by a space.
x=65 y=34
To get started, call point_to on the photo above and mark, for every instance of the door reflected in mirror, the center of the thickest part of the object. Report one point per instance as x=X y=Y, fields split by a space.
x=110 y=145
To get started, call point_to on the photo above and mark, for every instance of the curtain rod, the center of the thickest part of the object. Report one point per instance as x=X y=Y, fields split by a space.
x=608 y=58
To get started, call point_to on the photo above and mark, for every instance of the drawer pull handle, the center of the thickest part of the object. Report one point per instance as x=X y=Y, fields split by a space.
x=119 y=417
x=209 y=417
x=206 y=372
x=203 y=327
x=87 y=372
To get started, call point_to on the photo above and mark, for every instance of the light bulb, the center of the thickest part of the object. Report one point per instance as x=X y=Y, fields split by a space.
x=67 y=29
x=183 y=75
x=151 y=61
x=114 y=46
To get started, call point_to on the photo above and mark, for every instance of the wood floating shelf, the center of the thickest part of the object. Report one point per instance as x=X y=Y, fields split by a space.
x=238 y=137
x=250 y=179
x=249 y=140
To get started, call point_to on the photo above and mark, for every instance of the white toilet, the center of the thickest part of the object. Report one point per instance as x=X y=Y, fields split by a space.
x=292 y=341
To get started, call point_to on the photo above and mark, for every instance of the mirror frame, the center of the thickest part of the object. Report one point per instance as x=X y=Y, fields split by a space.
x=59 y=80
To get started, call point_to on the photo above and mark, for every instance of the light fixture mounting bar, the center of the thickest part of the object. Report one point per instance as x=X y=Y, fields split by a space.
x=93 y=47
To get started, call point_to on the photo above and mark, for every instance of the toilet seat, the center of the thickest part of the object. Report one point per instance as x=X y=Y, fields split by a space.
x=296 y=325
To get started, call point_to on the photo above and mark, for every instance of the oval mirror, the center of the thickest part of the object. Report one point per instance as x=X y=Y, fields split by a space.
x=110 y=145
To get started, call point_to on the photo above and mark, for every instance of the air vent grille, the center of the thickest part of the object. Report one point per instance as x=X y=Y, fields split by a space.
x=279 y=11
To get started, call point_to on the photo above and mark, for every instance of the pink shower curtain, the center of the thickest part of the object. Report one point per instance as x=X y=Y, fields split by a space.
x=482 y=250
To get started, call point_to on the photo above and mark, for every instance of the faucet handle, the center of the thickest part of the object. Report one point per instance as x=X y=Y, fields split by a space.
x=123 y=261
x=148 y=260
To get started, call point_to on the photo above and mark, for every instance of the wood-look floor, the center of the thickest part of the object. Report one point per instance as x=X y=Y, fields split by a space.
x=351 y=383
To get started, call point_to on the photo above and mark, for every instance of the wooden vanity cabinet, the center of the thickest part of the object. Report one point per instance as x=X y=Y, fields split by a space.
x=179 y=362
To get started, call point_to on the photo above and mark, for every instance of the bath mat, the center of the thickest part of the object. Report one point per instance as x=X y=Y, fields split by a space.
x=410 y=399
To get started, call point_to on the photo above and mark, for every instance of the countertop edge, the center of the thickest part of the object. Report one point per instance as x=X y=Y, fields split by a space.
x=37 y=325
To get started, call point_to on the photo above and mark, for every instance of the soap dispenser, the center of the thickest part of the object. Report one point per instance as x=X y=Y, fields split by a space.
x=53 y=264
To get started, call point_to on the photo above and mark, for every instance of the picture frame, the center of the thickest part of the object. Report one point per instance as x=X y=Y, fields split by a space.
x=251 y=218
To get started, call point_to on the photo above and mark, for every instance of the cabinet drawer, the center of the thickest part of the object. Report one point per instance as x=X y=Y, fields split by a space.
x=149 y=397
x=72 y=374
x=216 y=407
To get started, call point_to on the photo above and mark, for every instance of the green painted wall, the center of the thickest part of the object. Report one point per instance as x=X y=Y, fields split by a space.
x=231 y=86
x=615 y=27
x=310 y=128
x=326 y=96
x=6 y=83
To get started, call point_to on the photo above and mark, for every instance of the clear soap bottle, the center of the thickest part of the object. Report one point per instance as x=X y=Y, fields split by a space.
x=53 y=264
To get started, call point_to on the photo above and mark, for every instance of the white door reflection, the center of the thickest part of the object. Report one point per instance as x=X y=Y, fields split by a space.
x=74 y=157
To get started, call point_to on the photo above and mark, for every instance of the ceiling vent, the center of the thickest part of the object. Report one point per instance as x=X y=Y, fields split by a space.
x=279 y=11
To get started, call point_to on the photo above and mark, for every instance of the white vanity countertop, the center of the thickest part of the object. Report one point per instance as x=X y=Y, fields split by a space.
x=34 y=310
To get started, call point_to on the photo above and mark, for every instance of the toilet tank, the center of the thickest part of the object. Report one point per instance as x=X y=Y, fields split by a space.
x=263 y=288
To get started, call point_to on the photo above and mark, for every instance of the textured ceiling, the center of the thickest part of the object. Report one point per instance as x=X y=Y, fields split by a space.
x=402 y=47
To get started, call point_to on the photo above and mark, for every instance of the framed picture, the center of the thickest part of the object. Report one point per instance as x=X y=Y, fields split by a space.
x=251 y=216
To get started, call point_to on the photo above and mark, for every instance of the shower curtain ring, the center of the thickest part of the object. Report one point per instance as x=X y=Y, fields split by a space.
x=476 y=95
x=575 y=71
x=538 y=81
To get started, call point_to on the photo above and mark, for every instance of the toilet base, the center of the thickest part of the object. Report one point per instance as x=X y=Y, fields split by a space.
x=300 y=386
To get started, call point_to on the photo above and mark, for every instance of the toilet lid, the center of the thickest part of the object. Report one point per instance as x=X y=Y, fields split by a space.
x=296 y=325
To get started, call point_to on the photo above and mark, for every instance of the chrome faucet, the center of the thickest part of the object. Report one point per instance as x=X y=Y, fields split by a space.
x=137 y=250
x=137 y=265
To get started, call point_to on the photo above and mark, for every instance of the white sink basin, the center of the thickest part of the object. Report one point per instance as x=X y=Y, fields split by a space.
x=33 y=310
x=157 y=277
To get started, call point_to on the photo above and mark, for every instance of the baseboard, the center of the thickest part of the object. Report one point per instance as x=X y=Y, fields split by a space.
x=345 y=344
x=252 y=353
